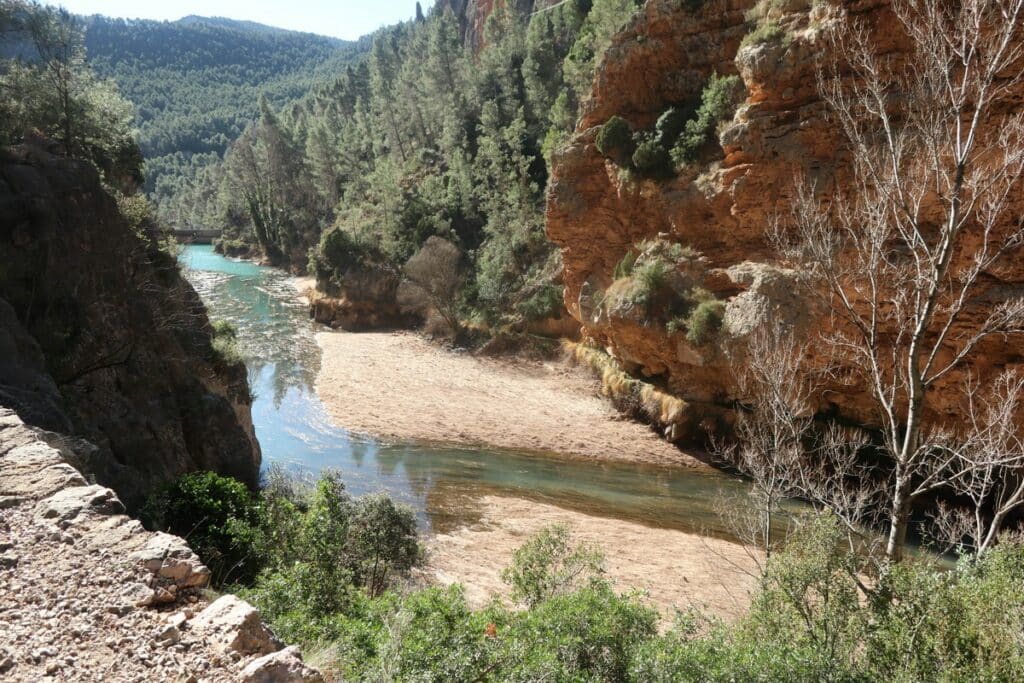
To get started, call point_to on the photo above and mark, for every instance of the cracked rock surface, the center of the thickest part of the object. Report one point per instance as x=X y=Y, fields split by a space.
x=87 y=594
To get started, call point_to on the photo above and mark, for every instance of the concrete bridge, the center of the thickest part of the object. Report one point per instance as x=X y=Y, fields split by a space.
x=187 y=236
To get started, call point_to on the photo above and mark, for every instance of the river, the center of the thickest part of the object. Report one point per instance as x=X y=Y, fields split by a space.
x=277 y=340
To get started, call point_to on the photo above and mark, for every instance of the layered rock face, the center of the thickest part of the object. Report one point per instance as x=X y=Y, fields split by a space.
x=103 y=339
x=87 y=594
x=722 y=206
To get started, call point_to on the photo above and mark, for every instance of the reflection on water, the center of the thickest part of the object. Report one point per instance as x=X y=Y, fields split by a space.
x=443 y=484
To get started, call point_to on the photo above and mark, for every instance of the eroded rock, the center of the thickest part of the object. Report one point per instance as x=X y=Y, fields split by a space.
x=285 y=666
x=233 y=625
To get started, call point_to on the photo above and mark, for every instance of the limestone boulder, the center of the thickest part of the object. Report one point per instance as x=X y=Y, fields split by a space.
x=230 y=624
x=171 y=561
x=285 y=666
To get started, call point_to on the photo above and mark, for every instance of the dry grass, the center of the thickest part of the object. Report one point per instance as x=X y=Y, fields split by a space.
x=656 y=405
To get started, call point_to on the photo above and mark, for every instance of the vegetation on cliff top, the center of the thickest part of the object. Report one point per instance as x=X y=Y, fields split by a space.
x=49 y=90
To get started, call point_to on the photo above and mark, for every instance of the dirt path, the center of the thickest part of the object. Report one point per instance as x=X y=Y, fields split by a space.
x=399 y=386
x=674 y=568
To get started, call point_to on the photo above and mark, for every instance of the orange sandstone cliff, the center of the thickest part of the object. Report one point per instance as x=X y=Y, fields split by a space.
x=722 y=206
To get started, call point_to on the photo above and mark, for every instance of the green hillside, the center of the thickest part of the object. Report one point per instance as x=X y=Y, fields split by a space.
x=196 y=84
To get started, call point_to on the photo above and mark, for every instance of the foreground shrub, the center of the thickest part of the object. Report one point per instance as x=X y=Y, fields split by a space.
x=766 y=32
x=547 y=565
x=203 y=507
x=705 y=321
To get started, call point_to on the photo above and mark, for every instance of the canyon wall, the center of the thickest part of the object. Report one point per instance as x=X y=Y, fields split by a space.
x=721 y=207
x=102 y=339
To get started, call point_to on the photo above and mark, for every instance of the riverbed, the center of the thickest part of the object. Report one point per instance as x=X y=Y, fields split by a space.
x=656 y=523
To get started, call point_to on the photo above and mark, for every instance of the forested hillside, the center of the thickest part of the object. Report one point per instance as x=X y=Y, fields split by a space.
x=196 y=84
x=426 y=137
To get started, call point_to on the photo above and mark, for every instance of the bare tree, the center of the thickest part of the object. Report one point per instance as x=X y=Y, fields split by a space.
x=988 y=462
x=432 y=279
x=773 y=424
x=907 y=250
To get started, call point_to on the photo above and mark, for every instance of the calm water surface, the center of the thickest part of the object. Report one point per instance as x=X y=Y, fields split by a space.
x=443 y=484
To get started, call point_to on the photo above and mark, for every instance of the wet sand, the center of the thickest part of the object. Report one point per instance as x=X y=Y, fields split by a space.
x=673 y=568
x=398 y=386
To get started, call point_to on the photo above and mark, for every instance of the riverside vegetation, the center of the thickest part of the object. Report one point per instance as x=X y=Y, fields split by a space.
x=332 y=573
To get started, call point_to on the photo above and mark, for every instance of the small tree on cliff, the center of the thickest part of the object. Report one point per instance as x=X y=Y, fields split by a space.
x=909 y=253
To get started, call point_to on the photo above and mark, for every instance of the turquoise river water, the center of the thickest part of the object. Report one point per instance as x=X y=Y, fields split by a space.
x=278 y=342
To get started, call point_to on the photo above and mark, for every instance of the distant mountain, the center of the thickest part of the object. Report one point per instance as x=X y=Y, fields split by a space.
x=196 y=82
x=243 y=25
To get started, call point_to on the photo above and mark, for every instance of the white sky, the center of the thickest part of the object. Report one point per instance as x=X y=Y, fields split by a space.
x=346 y=19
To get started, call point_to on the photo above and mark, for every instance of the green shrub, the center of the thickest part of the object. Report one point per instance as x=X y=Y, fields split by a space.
x=224 y=344
x=547 y=565
x=652 y=160
x=670 y=126
x=615 y=140
x=588 y=634
x=704 y=322
x=624 y=268
x=718 y=103
x=652 y=276
x=205 y=508
x=766 y=32
x=546 y=302
x=337 y=252
x=382 y=541
x=433 y=635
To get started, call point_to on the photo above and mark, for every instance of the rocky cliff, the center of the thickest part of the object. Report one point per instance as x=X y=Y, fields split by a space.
x=101 y=337
x=717 y=210
x=86 y=594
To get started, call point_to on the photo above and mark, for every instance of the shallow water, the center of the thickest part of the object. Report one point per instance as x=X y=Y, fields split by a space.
x=277 y=340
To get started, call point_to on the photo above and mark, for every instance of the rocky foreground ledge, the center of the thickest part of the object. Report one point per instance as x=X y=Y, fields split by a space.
x=87 y=594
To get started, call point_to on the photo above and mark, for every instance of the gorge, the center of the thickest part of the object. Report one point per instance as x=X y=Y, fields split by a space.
x=494 y=292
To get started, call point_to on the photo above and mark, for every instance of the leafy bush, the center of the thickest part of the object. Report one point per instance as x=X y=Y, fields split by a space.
x=547 y=565
x=546 y=302
x=588 y=634
x=652 y=276
x=337 y=252
x=718 y=103
x=382 y=541
x=224 y=344
x=704 y=322
x=670 y=126
x=204 y=508
x=615 y=140
x=652 y=160
x=433 y=635
x=766 y=32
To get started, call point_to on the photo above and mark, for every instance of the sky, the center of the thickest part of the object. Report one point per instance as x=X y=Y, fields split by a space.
x=348 y=19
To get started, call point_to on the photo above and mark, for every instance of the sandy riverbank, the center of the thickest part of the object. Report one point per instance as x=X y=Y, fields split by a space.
x=674 y=568
x=399 y=386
